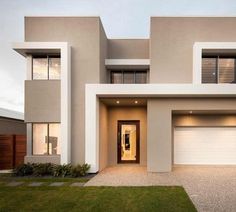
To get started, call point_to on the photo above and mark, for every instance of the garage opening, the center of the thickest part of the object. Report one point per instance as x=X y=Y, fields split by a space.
x=203 y=139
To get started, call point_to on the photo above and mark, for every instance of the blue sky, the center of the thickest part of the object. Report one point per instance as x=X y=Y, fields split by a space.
x=121 y=19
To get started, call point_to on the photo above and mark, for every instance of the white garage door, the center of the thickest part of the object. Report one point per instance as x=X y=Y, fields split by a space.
x=205 y=145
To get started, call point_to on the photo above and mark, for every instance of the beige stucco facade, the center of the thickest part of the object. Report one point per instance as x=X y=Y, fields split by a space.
x=172 y=40
x=42 y=101
x=128 y=48
x=85 y=35
x=168 y=59
x=160 y=134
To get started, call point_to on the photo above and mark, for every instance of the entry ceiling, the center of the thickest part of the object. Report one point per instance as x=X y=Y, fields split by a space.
x=124 y=101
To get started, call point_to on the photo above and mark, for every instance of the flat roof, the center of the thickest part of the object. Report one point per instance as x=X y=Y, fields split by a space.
x=12 y=114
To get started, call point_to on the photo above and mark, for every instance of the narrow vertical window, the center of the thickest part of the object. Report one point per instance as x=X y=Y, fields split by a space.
x=54 y=139
x=40 y=139
x=40 y=68
x=54 y=68
x=209 y=70
x=226 y=70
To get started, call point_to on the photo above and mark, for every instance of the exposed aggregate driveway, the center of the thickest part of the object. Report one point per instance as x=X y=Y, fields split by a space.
x=210 y=188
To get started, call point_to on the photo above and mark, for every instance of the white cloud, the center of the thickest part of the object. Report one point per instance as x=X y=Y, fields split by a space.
x=11 y=95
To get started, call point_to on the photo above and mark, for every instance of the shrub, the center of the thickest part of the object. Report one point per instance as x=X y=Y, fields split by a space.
x=75 y=171
x=79 y=170
x=84 y=169
x=62 y=170
x=49 y=169
x=42 y=169
x=23 y=170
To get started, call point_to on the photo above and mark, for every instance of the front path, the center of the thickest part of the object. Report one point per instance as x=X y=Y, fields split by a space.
x=210 y=188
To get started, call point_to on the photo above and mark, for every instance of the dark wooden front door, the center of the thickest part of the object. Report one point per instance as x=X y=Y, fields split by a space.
x=128 y=141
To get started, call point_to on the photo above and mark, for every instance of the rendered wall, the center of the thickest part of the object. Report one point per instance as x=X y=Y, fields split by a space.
x=42 y=159
x=85 y=36
x=103 y=54
x=159 y=122
x=171 y=44
x=126 y=113
x=42 y=101
x=128 y=48
x=103 y=136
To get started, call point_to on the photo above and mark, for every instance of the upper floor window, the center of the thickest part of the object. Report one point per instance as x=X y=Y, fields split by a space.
x=46 y=68
x=128 y=77
x=219 y=69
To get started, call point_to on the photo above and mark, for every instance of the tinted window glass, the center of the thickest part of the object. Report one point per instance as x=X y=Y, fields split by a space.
x=226 y=70
x=209 y=70
x=141 y=77
x=128 y=77
x=116 y=77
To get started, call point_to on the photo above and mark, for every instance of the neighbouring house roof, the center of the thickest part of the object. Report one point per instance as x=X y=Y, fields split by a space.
x=11 y=114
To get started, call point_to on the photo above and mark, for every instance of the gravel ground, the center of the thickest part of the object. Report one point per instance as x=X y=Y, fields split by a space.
x=210 y=188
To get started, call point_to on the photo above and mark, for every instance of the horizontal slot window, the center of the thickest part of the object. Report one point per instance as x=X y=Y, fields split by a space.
x=128 y=77
x=218 y=70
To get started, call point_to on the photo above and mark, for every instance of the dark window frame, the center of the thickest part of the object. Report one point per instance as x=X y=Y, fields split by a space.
x=48 y=56
x=217 y=57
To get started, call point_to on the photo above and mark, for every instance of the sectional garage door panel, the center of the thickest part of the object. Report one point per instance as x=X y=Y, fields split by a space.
x=205 y=145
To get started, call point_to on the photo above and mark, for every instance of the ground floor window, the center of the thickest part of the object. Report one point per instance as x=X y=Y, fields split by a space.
x=46 y=138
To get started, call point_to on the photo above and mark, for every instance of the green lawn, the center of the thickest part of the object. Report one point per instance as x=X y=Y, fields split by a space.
x=48 y=179
x=65 y=198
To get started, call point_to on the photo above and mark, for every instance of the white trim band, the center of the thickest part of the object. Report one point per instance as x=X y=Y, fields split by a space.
x=27 y=48
x=117 y=62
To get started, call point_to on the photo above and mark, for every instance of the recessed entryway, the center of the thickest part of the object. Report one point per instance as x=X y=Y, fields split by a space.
x=128 y=135
x=122 y=132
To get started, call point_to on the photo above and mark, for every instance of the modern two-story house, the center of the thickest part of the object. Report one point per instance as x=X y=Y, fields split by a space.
x=160 y=102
